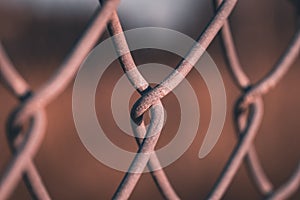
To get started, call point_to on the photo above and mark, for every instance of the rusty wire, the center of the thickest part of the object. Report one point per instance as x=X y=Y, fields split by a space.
x=20 y=89
x=247 y=118
x=243 y=82
x=32 y=108
x=252 y=97
x=138 y=82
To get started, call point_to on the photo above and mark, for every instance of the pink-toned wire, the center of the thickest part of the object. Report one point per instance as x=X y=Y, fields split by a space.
x=66 y=72
x=18 y=86
x=23 y=154
x=33 y=107
x=288 y=188
x=256 y=171
x=263 y=86
x=239 y=152
x=138 y=82
x=184 y=67
x=151 y=98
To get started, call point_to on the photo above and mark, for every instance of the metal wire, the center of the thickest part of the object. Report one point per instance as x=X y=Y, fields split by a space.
x=243 y=82
x=247 y=118
x=19 y=88
x=139 y=82
x=33 y=107
x=256 y=92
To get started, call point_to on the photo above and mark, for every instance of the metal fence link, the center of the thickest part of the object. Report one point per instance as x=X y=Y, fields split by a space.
x=32 y=106
x=243 y=82
x=252 y=97
x=142 y=86
x=20 y=89
x=30 y=113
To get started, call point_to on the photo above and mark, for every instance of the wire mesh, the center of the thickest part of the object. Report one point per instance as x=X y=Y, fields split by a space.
x=27 y=123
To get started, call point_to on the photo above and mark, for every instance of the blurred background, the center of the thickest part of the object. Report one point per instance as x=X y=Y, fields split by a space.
x=38 y=35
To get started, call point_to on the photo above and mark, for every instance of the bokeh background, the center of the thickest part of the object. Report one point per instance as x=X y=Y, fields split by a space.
x=37 y=35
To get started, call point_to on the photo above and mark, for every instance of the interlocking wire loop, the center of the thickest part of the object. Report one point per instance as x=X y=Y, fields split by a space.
x=30 y=114
x=142 y=86
x=33 y=107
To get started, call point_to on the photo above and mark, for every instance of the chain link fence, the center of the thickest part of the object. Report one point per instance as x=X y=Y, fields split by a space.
x=26 y=125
